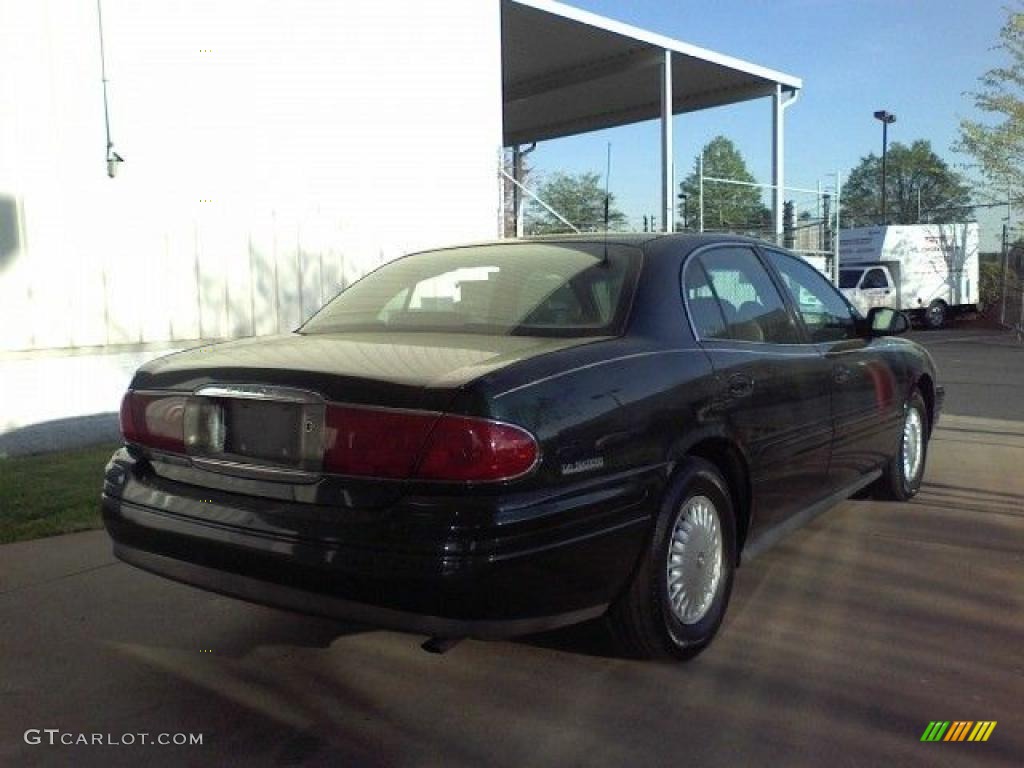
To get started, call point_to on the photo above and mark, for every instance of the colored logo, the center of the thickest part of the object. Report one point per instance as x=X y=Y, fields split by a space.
x=958 y=730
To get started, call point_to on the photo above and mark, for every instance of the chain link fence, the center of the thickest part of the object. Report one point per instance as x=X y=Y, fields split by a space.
x=1002 y=281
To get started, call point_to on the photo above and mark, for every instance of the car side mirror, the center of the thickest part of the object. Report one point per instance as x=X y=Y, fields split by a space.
x=883 y=321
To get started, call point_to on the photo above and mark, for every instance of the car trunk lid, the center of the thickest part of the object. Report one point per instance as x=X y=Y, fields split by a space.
x=399 y=370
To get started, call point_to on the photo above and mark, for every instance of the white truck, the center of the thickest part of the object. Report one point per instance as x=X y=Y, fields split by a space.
x=927 y=270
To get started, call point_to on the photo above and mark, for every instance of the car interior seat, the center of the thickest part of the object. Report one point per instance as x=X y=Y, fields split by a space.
x=746 y=326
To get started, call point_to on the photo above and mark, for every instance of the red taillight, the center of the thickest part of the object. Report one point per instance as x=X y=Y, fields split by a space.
x=411 y=444
x=127 y=421
x=477 y=450
x=374 y=443
x=156 y=421
x=369 y=442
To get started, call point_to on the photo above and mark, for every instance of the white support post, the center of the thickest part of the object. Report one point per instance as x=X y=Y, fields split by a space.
x=502 y=233
x=667 y=193
x=517 y=196
x=778 y=152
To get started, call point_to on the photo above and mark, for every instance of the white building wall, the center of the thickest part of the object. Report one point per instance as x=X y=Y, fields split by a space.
x=326 y=136
x=274 y=151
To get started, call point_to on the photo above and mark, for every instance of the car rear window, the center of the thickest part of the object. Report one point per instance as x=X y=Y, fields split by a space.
x=530 y=289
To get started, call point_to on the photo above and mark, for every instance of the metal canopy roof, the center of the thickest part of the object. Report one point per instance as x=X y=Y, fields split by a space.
x=567 y=71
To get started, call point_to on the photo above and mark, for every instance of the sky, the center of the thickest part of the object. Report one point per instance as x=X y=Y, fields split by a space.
x=915 y=58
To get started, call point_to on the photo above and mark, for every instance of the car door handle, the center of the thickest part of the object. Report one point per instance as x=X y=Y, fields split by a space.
x=740 y=385
x=841 y=374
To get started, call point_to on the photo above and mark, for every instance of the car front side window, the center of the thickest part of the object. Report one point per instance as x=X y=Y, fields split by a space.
x=826 y=314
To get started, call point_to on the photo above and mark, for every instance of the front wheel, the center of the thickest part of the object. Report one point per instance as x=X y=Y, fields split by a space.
x=901 y=478
x=937 y=314
x=678 y=595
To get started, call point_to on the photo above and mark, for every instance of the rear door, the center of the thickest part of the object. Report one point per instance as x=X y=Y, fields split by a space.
x=775 y=390
x=865 y=403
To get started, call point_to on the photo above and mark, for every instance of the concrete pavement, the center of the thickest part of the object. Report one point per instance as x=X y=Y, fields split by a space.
x=840 y=645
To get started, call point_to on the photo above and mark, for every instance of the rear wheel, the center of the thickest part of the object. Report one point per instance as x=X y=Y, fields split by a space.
x=937 y=314
x=901 y=478
x=678 y=595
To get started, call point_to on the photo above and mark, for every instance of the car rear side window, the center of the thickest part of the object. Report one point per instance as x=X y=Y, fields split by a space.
x=730 y=295
x=705 y=313
x=826 y=314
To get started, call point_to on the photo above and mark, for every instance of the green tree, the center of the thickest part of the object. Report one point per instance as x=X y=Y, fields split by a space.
x=577 y=197
x=910 y=171
x=998 y=147
x=726 y=206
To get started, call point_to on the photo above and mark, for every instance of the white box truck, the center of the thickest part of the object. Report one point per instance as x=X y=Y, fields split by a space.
x=927 y=270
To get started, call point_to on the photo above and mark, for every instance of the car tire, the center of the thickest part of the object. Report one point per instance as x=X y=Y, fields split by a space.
x=694 y=534
x=937 y=314
x=901 y=477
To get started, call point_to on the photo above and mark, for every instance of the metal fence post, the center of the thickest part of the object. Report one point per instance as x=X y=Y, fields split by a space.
x=837 y=231
x=1020 y=287
x=1006 y=258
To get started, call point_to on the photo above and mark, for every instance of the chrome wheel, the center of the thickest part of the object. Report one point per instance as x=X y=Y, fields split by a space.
x=913 y=442
x=937 y=315
x=694 y=559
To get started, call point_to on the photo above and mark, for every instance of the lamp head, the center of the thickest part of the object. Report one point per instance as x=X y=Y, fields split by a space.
x=114 y=160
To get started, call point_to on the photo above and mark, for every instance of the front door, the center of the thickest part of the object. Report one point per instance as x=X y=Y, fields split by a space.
x=865 y=401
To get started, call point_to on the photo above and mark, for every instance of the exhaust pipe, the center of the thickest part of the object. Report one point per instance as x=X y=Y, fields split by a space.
x=440 y=645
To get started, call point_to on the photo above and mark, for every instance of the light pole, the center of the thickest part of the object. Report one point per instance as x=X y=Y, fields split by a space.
x=886 y=118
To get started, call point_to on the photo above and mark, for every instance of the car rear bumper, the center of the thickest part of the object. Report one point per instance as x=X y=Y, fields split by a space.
x=505 y=581
x=320 y=604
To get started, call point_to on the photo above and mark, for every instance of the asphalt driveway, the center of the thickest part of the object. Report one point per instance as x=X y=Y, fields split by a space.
x=982 y=370
x=841 y=645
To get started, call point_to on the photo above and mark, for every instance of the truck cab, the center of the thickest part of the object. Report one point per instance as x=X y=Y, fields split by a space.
x=870 y=285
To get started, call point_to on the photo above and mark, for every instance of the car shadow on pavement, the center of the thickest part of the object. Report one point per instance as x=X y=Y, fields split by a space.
x=281 y=628
x=591 y=638
x=983 y=499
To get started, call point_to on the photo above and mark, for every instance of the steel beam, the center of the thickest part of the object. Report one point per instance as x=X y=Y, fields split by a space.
x=528 y=113
x=778 y=157
x=779 y=106
x=667 y=193
x=582 y=74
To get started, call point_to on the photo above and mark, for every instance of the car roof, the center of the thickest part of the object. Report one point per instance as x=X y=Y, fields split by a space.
x=660 y=240
x=655 y=245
